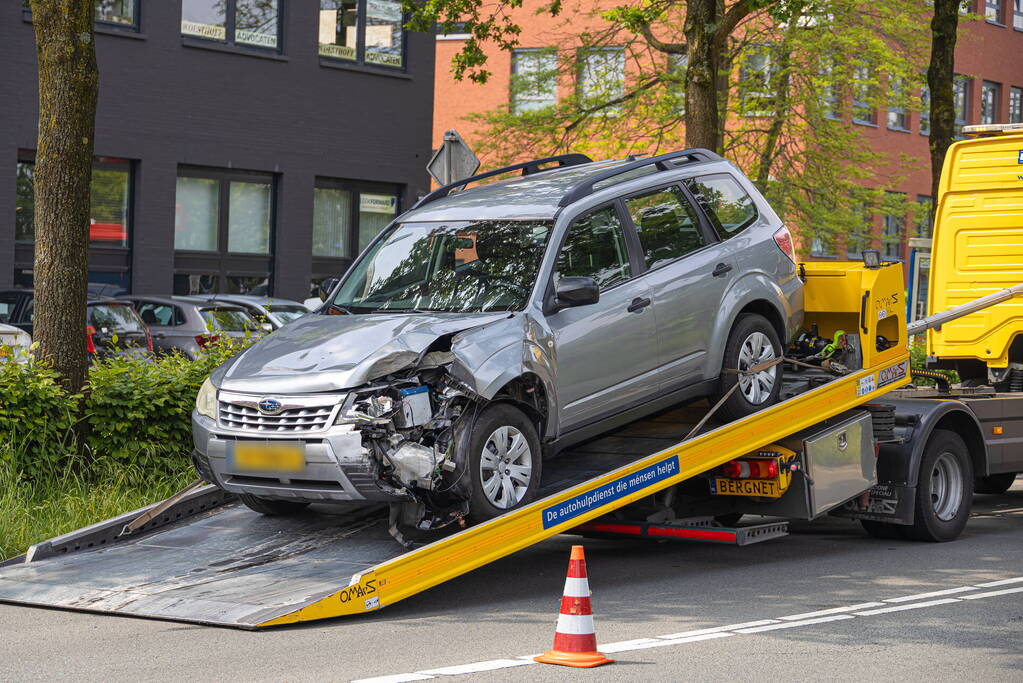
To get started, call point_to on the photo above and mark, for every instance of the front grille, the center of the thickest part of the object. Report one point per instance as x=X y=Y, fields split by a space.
x=290 y=420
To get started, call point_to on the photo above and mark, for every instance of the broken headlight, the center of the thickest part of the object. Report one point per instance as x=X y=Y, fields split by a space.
x=206 y=401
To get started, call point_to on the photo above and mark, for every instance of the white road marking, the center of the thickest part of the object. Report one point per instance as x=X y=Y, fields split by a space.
x=991 y=594
x=865 y=609
x=732 y=627
x=932 y=594
x=491 y=665
x=793 y=624
x=1002 y=582
x=903 y=608
x=833 y=610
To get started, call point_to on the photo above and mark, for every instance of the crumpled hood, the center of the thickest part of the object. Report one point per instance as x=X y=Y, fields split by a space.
x=331 y=352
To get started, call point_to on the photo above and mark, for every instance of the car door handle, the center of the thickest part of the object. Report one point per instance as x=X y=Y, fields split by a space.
x=721 y=269
x=638 y=304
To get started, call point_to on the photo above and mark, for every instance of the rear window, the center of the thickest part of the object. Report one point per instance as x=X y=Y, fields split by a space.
x=160 y=315
x=7 y=305
x=730 y=208
x=227 y=319
x=288 y=313
x=114 y=317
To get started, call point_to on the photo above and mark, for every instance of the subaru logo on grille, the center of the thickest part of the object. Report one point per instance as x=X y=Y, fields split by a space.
x=270 y=406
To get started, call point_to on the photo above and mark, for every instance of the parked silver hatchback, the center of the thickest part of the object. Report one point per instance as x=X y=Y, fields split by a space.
x=486 y=328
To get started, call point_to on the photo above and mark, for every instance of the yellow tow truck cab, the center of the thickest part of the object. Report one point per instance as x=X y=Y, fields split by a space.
x=977 y=249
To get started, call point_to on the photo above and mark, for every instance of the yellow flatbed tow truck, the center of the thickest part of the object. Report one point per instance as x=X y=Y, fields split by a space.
x=835 y=444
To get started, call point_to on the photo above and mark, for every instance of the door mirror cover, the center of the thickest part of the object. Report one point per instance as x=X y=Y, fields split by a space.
x=326 y=287
x=576 y=291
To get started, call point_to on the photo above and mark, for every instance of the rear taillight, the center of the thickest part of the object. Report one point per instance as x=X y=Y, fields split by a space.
x=149 y=340
x=784 y=241
x=204 y=340
x=90 y=346
x=750 y=469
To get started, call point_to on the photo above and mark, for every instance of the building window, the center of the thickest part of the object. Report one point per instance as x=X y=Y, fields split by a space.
x=119 y=13
x=924 y=220
x=860 y=237
x=339 y=29
x=891 y=237
x=925 y=111
x=249 y=23
x=602 y=77
x=534 y=80
x=864 y=85
x=993 y=11
x=898 y=117
x=1017 y=15
x=347 y=215
x=756 y=81
x=829 y=90
x=1016 y=104
x=223 y=228
x=366 y=31
x=961 y=101
x=109 y=223
x=989 y=96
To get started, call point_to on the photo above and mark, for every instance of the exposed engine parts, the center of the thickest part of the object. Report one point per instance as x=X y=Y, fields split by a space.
x=836 y=354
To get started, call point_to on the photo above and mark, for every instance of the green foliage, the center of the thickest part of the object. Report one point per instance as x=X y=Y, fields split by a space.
x=134 y=411
x=918 y=361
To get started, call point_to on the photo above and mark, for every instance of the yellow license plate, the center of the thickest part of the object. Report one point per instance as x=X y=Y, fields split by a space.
x=760 y=488
x=262 y=456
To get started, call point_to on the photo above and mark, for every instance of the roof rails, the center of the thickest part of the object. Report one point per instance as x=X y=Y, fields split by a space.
x=528 y=168
x=585 y=187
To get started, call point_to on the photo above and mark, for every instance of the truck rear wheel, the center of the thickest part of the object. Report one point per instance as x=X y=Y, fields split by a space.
x=944 y=491
x=267 y=506
x=996 y=483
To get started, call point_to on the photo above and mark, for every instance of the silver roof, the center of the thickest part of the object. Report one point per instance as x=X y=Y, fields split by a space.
x=523 y=197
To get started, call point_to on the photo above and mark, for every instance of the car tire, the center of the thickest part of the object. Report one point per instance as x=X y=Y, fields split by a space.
x=504 y=461
x=996 y=483
x=944 y=490
x=752 y=340
x=267 y=506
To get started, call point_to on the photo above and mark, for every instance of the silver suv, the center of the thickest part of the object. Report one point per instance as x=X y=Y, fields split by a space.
x=488 y=327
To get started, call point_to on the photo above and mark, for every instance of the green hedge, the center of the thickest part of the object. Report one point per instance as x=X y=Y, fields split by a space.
x=131 y=411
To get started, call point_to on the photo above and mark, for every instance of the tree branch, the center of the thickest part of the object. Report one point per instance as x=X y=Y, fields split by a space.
x=586 y=113
x=733 y=16
x=658 y=44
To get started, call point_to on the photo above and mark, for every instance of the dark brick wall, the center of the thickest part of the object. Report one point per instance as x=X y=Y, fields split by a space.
x=165 y=101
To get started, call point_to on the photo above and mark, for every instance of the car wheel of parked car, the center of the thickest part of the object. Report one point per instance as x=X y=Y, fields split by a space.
x=504 y=462
x=752 y=341
x=266 y=506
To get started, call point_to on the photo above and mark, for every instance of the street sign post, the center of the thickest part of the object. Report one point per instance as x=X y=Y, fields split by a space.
x=453 y=160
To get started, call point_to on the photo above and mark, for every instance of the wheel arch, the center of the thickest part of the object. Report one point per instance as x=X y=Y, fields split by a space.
x=528 y=393
x=916 y=420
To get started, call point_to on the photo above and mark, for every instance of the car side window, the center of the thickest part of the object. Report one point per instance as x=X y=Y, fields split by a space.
x=160 y=315
x=729 y=207
x=667 y=224
x=595 y=247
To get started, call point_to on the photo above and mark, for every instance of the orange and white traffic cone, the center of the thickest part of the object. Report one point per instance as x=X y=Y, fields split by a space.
x=575 y=642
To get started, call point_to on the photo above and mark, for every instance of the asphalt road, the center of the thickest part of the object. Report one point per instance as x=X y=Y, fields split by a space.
x=641 y=592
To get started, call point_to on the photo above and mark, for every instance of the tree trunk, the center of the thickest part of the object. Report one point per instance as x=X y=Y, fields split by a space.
x=701 y=74
x=68 y=88
x=940 y=75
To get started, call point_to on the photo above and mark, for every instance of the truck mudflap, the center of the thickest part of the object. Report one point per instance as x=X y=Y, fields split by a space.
x=882 y=503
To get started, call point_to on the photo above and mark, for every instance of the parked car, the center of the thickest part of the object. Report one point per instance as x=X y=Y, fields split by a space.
x=484 y=328
x=111 y=326
x=268 y=311
x=14 y=343
x=189 y=323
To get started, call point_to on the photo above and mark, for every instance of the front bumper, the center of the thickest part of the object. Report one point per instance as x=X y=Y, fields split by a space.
x=338 y=467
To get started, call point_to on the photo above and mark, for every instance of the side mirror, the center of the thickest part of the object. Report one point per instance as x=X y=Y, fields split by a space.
x=326 y=287
x=576 y=291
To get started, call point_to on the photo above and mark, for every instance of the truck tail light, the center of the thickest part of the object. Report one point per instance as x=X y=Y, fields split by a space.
x=204 y=340
x=784 y=241
x=751 y=469
x=90 y=345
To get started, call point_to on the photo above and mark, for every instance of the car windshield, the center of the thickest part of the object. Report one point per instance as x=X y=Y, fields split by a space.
x=227 y=319
x=462 y=266
x=119 y=317
x=287 y=313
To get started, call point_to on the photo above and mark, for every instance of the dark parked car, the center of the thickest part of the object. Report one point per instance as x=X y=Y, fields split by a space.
x=112 y=328
x=187 y=324
x=265 y=310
